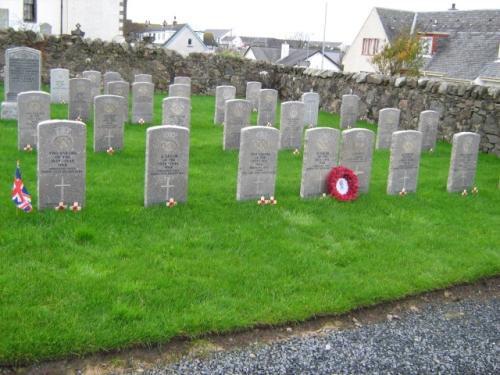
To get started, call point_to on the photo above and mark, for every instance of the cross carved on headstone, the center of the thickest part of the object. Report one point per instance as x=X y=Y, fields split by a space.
x=62 y=185
x=109 y=137
x=167 y=187
x=405 y=177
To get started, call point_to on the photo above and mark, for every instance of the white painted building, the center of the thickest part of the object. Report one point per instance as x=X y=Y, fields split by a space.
x=101 y=19
x=186 y=41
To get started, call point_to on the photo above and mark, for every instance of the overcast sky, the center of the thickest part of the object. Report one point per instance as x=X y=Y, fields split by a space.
x=282 y=19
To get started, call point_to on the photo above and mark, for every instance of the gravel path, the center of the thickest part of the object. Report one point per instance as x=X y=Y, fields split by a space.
x=447 y=338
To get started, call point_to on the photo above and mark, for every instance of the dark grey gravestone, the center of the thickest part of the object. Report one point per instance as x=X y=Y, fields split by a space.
x=59 y=85
x=23 y=68
x=143 y=78
x=222 y=94
x=4 y=19
x=95 y=78
x=142 y=101
x=463 y=162
x=110 y=77
x=252 y=94
x=179 y=89
x=311 y=110
x=321 y=151
x=182 y=80
x=268 y=99
x=80 y=99
x=356 y=153
x=406 y=146
x=176 y=111
x=237 y=117
x=120 y=88
x=349 y=111
x=61 y=163
x=291 y=125
x=108 y=122
x=258 y=161
x=167 y=161
x=388 y=123
x=33 y=107
x=428 y=125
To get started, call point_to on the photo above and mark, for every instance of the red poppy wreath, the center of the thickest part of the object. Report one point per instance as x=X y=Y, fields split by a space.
x=343 y=184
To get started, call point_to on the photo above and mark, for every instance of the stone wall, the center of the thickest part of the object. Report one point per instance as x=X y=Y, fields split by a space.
x=462 y=107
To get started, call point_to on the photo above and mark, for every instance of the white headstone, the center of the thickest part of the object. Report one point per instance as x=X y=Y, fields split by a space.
x=463 y=162
x=33 y=107
x=108 y=122
x=388 y=123
x=177 y=111
x=222 y=94
x=428 y=125
x=311 y=110
x=59 y=85
x=291 y=125
x=142 y=102
x=252 y=94
x=268 y=99
x=237 y=117
x=349 y=111
x=80 y=99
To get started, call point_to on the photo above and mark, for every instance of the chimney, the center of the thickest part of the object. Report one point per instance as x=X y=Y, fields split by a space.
x=175 y=21
x=285 y=50
x=453 y=7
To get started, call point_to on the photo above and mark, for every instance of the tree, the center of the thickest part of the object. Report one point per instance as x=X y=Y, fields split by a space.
x=402 y=56
x=209 y=39
x=300 y=39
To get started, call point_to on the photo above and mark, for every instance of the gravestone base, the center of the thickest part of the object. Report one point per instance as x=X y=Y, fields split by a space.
x=8 y=111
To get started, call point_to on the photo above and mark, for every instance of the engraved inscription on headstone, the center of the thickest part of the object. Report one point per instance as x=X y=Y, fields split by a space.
x=356 y=153
x=59 y=85
x=33 y=108
x=80 y=99
x=268 y=99
x=463 y=162
x=177 y=111
x=179 y=89
x=182 y=80
x=222 y=93
x=257 y=162
x=61 y=163
x=428 y=125
x=143 y=78
x=237 y=117
x=108 y=122
x=404 y=161
x=252 y=94
x=95 y=79
x=291 y=125
x=321 y=150
x=167 y=160
x=349 y=111
x=120 y=88
x=388 y=123
x=142 y=102
x=311 y=103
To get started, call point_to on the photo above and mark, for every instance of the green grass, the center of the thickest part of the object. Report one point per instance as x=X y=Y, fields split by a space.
x=117 y=274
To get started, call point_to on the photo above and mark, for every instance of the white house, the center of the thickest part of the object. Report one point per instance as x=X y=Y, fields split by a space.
x=186 y=41
x=98 y=18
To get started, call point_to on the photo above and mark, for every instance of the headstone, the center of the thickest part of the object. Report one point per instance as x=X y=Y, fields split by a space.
x=120 y=88
x=32 y=107
x=356 y=153
x=237 y=117
x=46 y=29
x=428 y=125
x=321 y=150
x=252 y=94
x=80 y=99
x=181 y=80
x=142 y=102
x=95 y=78
x=349 y=111
x=311 y=102
x=258 y=161
x=291 y=125
x=388 y=123
x=463 y=161
x=4 y=19
x=59 y=85
x=61 y=163
x=167 y=160
x=108 y=122
x=222 y=93
x=143 y=78
x=176 y=111
x=110 y=77
x=181 y=90
x=268 y=99
x=404 y=162
x=23 y=68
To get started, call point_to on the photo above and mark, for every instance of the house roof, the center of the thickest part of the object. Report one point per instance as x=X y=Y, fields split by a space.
x=174 y=36
x=270 y=55
x=295 y=56
x=140 y=28
x=491 y=70
x=218 y=33
x=395 y=21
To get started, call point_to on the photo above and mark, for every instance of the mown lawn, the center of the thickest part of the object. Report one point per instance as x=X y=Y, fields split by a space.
x=117 y=274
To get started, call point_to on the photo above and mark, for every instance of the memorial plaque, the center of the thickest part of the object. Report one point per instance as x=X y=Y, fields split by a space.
x=349 y=111
x=268 y=99
x=181 y=90
x=252 y=94
x=61 y=163
x=177 y=111
x=258 y=161
x=142 y=102
x=311 y=110
x=356 y=153
x=33 y=107
x=110 y=77
x=143 y=78
x=291 y=125
x=167 y=160
x=388 y=123
x=404 y=162
x=428 y=125
x=321 y=150
x=95 y=79
x=59 y=85
x=222 y=94
x=182 y=80
x=237 y=117
x=463 y=162
x=80 y=99
x=108 y=122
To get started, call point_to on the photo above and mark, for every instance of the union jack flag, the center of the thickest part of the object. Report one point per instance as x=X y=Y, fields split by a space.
x=20 y=195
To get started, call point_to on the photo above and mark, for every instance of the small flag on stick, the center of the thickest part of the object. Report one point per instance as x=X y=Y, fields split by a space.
x=20 y=195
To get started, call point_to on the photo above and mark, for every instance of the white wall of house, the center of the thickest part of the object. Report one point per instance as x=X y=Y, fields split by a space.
x=315 y=63
x=354 y=60
x=250 y=55
x=180 y=42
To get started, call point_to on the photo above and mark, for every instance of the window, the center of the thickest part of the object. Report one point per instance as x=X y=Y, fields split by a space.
x=190 y=42
x=426 y=43
x=370 y=46
x=29 y=10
